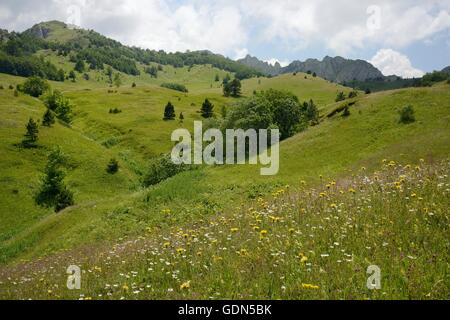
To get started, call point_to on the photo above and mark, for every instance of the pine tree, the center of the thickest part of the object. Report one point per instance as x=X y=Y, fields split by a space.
x=31 y=136
x=48 y=119
x=207 y=109
x=53 y=192
x=312 y=112
x=169 y=112
x=235 y=87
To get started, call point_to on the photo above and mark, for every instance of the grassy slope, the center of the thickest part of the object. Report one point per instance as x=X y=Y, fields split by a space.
x=329 y=149
x=110 y=207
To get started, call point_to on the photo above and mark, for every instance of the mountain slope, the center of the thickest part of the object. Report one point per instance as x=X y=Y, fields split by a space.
x=262 y=66
x=337 y=69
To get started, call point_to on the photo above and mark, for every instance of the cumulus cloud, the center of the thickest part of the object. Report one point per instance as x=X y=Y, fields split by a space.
x=391 y=62
x=272 y=62
x=342 y=27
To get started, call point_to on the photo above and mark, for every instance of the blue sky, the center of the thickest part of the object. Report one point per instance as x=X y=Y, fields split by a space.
x=405 y=37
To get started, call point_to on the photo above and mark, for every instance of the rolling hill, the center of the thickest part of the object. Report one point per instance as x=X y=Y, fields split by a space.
x=222 y=217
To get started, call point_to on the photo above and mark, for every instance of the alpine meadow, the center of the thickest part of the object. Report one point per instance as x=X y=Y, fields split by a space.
x=87 y=178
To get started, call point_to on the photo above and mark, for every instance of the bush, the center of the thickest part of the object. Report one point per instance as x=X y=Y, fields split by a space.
x=113 y=166
x=56 y=102
x=115 y=111
x=340 y=96
x=407 y=115
x=265 y=110
x=34 y=86
x=169 y=112
x=162 y=169
x=31 y=136
x=174 y=86
x=346 y=112
x=48 y=119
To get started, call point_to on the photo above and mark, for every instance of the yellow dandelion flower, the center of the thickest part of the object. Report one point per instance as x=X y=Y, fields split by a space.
x=234 y=230
x=263 y=233
x=309 y=286
x=185 y=285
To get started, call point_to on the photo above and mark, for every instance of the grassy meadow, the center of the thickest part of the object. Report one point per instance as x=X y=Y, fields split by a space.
x=351 y=192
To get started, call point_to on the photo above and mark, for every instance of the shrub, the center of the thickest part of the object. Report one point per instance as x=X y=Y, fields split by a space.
x=113 y=166
x=115 y=111
x=31 y=136
x=161 y=169
x=407 y=115
x=340 y=96
x=346 y=112
x=169 y=112
x=48 y=118
x=35 y=86
x=353 y=94
x=60 y=105
x=174 y=86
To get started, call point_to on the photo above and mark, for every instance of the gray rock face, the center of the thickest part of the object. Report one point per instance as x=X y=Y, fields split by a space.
x=446 y=70
x=337 y=69
x=261 y=65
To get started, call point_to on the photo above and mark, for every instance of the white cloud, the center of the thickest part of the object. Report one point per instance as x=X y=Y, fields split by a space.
x=240 y=53
x=391 y=62
x=229 y=26
x=274 y=60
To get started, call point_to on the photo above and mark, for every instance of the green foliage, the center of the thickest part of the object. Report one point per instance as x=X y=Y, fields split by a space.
x=312 y=113
x=407 y=115
x=52 y=191
x=346 y=112
x=433 y=77
x=34 y=86
x=169 y=112
x=115 y=110
x=48 y=118
x=27 y=66
x=161 y=169
x=113 y=166
x=174 y=86
x=60 y=105
x=232 y=88
x=269 y=109
x=72 y=76
x=117 y=80
x=31 y=135
x=352 y=94
x=340 y=96
x=216 y=78
x=207 y=109
x=80 y=66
